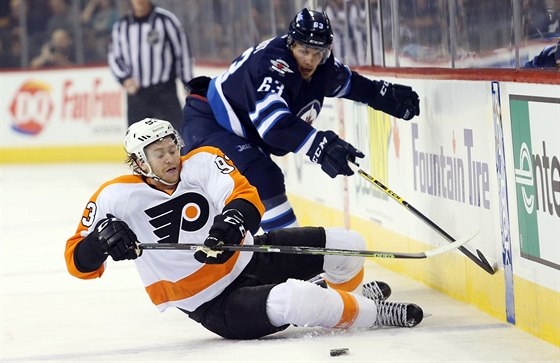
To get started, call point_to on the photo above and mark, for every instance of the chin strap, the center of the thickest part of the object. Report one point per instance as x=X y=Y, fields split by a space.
x=156 y=178
x=150 y=174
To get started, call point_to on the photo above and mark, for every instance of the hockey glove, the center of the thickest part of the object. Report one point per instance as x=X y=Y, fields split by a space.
x=198 y=86
x=115 y=238
x=333 y=153
x=228 y=228
x=397 y=100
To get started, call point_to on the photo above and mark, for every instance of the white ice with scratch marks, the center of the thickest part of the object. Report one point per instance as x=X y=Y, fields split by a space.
x=48 y=315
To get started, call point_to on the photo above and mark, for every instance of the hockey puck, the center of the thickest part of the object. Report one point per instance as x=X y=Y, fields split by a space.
x=339 y=351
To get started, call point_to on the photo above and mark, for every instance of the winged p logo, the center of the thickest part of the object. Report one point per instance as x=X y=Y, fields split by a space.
x=188 y=212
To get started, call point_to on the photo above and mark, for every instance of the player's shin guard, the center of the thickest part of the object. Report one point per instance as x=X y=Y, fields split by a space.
x=343 y=272
x=305 y=304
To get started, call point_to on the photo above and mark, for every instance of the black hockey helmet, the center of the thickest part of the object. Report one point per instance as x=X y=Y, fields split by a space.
x=311 y=28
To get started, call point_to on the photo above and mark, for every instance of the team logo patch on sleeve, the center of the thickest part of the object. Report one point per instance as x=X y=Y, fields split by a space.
x=280 y=66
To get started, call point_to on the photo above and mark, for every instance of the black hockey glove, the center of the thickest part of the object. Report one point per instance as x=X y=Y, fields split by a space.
x=333 y=153
x=198 y=86
x=115 y=238
x=397 y=100
x=228 y=228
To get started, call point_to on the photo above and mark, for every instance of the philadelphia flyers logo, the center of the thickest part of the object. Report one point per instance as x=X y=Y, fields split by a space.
x=190 y=211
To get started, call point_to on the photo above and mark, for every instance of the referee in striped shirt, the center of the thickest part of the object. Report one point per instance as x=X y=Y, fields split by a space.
x=149 y=50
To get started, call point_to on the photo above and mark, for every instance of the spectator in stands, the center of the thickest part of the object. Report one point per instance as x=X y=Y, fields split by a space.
x=61 y=17
x=98 y=17
x=9 y=15
x=37 y=15
x=57 y=52
x=10 y=34
x=10 y=51
x=535 y=19
x=55 y=14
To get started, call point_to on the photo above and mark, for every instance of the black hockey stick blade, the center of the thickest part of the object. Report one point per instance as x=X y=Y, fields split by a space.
x=305 y=250
x=481 y=261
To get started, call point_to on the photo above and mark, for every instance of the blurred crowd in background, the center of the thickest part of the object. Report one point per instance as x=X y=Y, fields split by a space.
x=391 y=33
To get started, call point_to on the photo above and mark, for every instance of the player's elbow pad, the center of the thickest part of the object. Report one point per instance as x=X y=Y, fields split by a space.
x=87 y=257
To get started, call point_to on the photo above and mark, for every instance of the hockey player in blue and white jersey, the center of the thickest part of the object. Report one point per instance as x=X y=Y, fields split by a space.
x=267 y=100
x=548 y=58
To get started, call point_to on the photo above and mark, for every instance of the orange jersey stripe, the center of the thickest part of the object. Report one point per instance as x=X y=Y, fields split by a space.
x=349 y=285
x=165 y=291
x=350 y=311
x=73 y=241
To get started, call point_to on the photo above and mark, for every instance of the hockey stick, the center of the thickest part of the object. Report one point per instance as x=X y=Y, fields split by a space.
x=305 y=250
x=481 y=261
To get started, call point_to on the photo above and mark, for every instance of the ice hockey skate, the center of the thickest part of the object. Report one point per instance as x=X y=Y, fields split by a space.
x=398 y=314
x=319 y=280
x=376 y=290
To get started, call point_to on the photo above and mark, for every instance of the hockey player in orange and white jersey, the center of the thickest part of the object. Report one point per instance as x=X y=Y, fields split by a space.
x=203 y=197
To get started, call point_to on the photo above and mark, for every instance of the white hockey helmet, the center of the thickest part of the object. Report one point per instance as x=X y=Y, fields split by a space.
x=142 y=133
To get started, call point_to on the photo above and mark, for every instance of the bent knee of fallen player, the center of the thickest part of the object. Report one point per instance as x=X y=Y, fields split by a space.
x=344 y=272
x=341 y=272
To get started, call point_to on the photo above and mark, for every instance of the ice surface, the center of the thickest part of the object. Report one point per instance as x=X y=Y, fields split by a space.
x=48 y=315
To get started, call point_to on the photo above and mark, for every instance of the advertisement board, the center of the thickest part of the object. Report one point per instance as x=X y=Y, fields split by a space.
x=537 y=172
x=61 y=108
x=440 y=162
x=482 y=156
x=535 y=179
